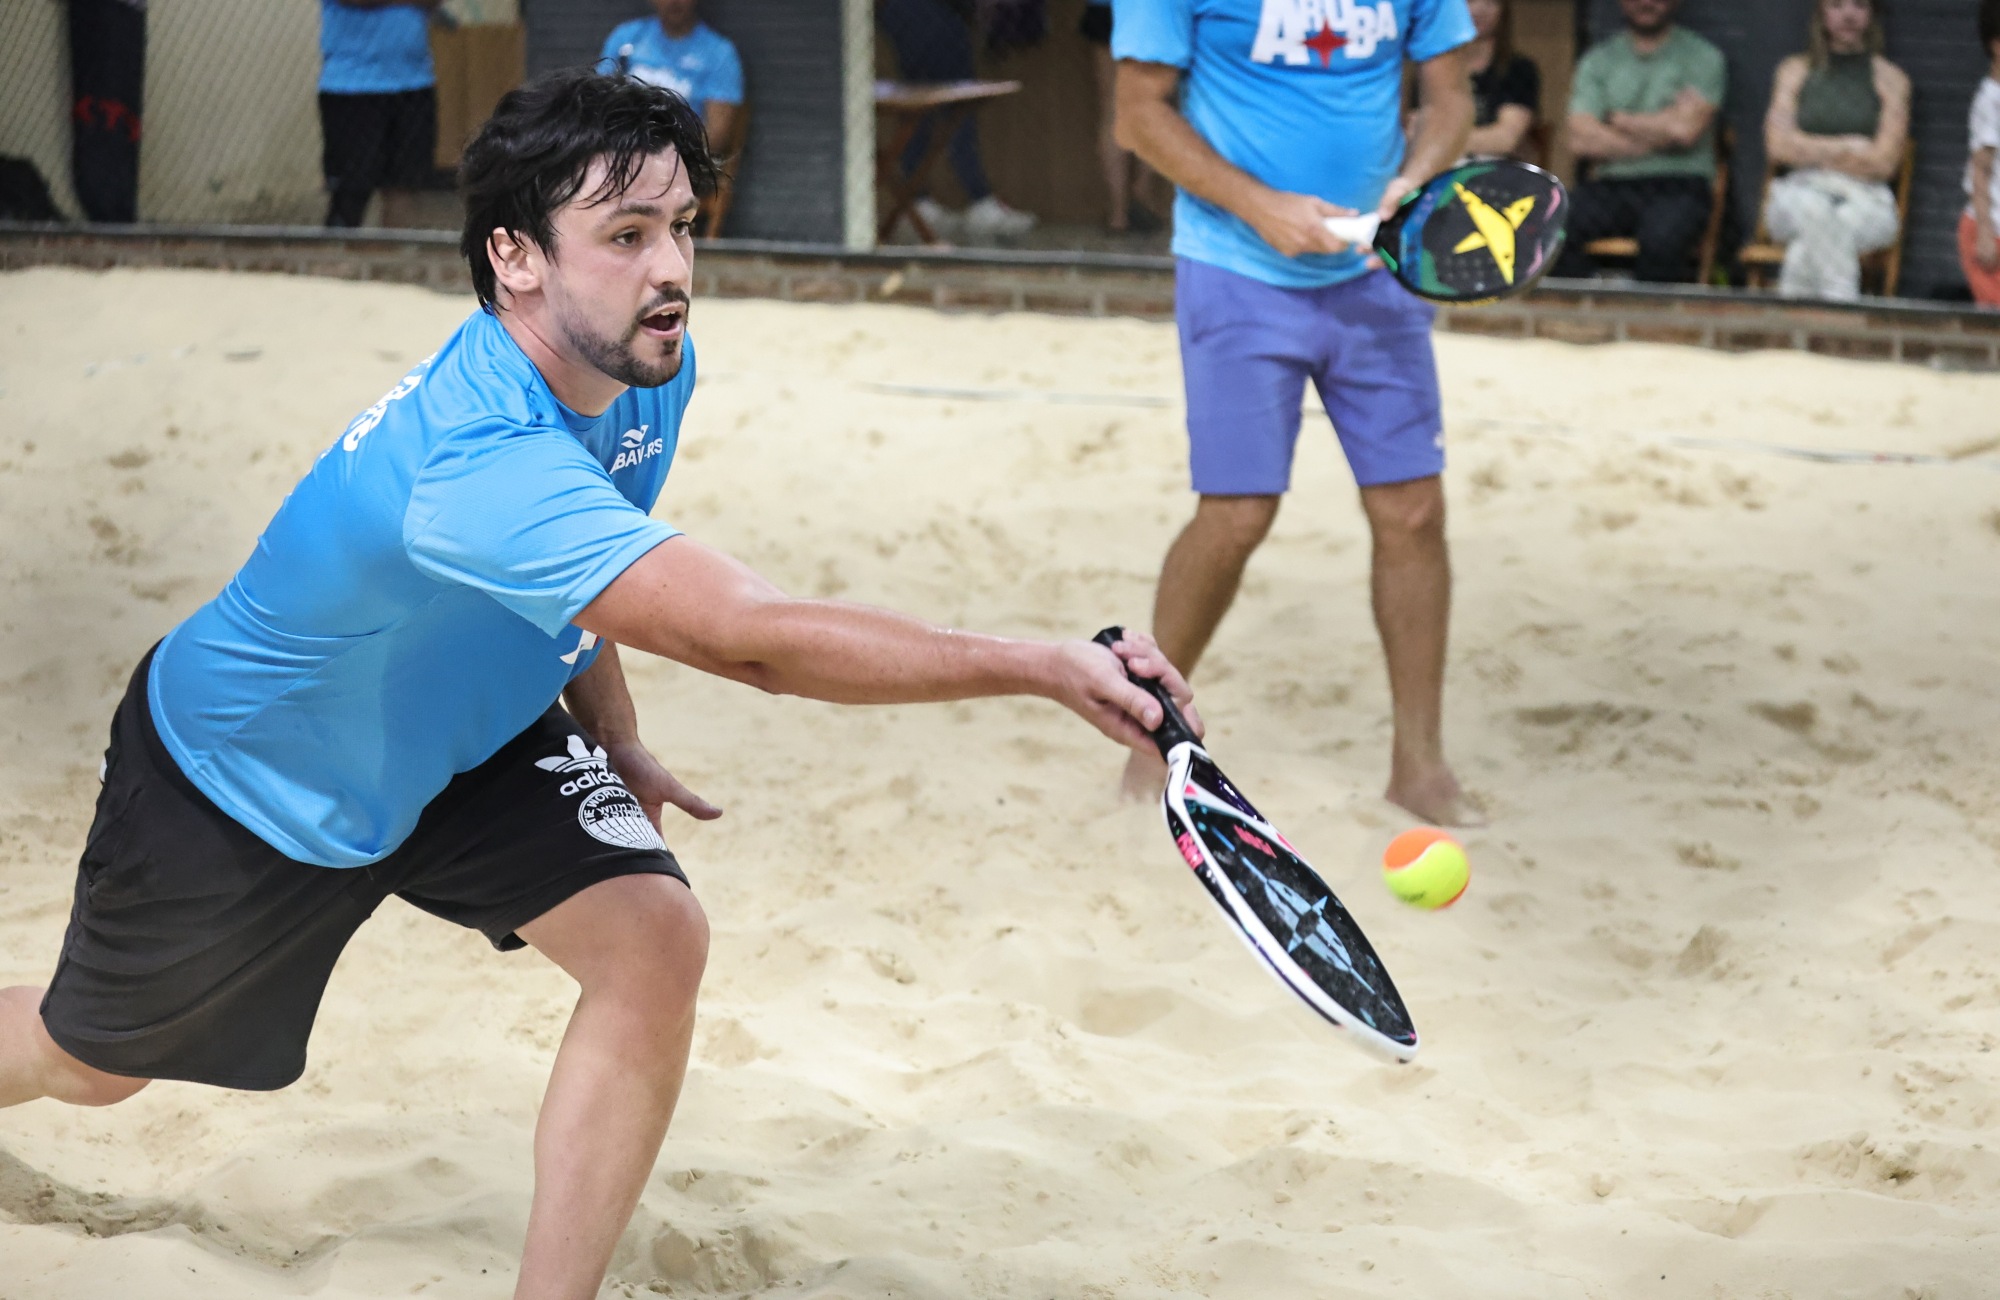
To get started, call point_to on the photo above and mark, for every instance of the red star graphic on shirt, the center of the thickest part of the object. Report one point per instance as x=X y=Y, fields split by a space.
x=1324 y=42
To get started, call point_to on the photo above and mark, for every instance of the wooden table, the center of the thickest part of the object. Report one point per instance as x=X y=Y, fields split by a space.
x=908 y=105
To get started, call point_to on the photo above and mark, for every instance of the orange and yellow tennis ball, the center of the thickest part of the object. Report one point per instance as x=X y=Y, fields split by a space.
x=1426 y=868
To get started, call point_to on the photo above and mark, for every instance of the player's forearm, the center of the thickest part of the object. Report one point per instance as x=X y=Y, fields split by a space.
x=858 y=654
x=1155 y=130
x=1982 y=192
x=601 y=702
x=697 y=606
x=1447 y=121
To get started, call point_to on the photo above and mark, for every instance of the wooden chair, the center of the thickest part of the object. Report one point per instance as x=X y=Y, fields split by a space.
x=1760 y=255
x=1626 y=249
x=1540 y=144
x=730 y=154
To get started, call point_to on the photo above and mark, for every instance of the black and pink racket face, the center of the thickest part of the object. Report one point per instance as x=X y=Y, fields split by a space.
x=1298 y=916
x=1480 y=231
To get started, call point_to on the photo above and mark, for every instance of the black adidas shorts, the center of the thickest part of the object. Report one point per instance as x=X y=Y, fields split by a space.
x=196 y=951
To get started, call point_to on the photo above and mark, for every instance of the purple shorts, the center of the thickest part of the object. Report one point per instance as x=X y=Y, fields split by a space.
x=1247 y=349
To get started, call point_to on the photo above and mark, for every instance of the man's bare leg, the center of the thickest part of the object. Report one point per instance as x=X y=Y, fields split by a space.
x=1198 y=582
x=31 y=1065
x=1410 y=582
x=637 y=945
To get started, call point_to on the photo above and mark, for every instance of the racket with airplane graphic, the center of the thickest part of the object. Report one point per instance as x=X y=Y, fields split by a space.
x=1275 y=902
x=1476 y=233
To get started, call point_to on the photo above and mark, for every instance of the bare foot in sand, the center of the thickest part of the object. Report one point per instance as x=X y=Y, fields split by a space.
x=1434 y=795
x=1145 y=775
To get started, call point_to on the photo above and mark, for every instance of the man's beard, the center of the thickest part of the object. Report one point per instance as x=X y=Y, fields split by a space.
x=615 y=357
x=1654 y=26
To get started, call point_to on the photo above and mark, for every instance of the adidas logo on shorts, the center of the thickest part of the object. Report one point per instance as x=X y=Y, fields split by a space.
x=609 y=813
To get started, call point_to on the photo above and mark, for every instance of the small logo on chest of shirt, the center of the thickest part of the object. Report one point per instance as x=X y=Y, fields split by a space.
x=636 y=446
x=1308 y=33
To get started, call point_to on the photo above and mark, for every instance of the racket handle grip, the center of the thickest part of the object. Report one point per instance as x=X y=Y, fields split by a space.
x=1358 y=230
x=1173 y=729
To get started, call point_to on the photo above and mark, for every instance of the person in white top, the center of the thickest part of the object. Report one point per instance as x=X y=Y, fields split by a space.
x=1979 y=227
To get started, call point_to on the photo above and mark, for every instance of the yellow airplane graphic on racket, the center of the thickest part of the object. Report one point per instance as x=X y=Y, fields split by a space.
x=1493 y=230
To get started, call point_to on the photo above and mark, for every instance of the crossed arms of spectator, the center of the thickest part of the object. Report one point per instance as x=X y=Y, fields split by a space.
x=1873 y=158
x=1619 y=134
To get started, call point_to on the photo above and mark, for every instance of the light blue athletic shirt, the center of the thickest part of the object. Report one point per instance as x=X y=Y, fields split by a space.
x=407 y=611
x=373 y=51
x=1304 y=95
x=698 y=67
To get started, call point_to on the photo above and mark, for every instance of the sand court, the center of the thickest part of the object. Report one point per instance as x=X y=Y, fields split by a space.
x=1717 y=1017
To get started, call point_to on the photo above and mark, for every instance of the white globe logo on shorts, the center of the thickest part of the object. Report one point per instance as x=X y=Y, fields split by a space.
x=611 y=814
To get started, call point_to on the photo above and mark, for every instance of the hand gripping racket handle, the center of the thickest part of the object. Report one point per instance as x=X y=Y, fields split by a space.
x=1173 y=728
x=1357 y=230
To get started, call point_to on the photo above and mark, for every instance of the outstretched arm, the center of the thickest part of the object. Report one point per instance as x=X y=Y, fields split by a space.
x=691 y=603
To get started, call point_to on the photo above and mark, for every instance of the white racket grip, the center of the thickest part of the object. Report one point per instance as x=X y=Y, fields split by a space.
x=1358 y=230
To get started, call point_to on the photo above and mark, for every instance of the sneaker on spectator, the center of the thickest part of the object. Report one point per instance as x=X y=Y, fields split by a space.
x=990 y=218
x=947 y=225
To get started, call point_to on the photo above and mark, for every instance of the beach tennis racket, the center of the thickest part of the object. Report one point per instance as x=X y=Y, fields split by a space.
x=1478 y=232
x=1275 y=902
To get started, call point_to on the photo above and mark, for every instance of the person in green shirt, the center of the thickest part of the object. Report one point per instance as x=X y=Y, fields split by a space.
x=1642 y=118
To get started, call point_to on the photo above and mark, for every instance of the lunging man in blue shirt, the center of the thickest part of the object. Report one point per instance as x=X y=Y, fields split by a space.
x=370 y=706
x=1270 y=116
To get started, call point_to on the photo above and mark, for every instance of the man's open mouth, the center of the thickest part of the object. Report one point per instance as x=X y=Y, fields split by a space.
x=665 y=323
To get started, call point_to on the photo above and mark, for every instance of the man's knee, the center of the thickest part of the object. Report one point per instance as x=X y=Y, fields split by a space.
x=659 y=947
x=96 y=1088
x=1405 y=512
x=1237 y=524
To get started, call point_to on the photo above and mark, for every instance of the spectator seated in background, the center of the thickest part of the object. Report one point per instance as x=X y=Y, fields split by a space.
x=1643 y=110
x=377 y=107
x=933 y=43
x=1840 y=119
x=679 y=51
x=1506 y=89
x=1979 y=226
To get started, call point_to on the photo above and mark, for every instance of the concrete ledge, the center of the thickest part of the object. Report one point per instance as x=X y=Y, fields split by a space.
x=1090 y=284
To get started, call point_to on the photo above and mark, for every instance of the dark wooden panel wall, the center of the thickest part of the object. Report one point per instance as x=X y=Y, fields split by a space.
x=790 y=182
x=1935 y=41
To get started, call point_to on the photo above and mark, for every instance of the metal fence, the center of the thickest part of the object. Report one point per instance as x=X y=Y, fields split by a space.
x=862 y=121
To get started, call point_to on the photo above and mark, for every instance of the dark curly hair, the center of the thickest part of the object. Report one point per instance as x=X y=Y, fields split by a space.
x=1989 y=25
x=533 y=154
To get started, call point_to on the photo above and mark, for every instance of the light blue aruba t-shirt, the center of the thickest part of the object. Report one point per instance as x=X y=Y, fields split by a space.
x=407 y=610
x=1304 y=95
x=373 y=51
x=698 y=67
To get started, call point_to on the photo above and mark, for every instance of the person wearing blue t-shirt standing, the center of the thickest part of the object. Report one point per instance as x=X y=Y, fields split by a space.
x=370 y=707
x=377 y=106
x=1270 y=116
x=677 y=50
